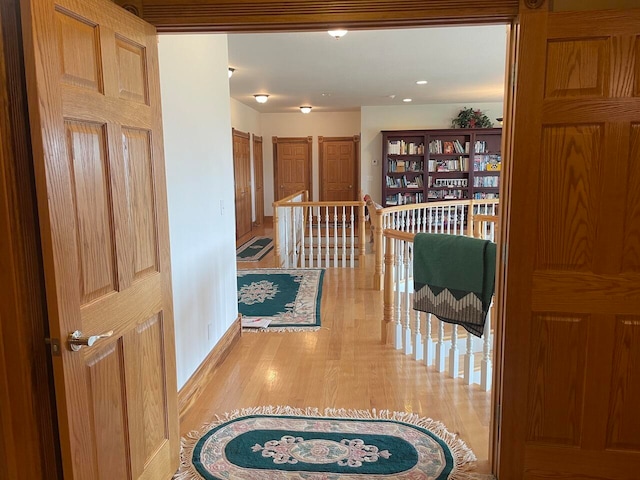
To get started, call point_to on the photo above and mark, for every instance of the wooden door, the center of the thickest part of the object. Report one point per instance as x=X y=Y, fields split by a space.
x=339 y=172
x=291 y=166
x=94 y=98
x=258 y=175
x=242 y=176
x=571 y=377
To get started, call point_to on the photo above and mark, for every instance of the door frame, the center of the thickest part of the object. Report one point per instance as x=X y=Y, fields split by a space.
x=356 y=148
x=247 y=136
x=257 y=173
x=302 y=140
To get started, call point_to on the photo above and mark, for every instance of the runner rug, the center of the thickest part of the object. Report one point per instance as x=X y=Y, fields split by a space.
x=254 y=249
x=287 y=299
x=283 y=443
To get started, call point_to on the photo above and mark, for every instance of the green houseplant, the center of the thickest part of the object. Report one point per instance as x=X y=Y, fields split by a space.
x=470 y=118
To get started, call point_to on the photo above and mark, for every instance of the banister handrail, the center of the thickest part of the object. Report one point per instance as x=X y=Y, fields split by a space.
x=399 y=235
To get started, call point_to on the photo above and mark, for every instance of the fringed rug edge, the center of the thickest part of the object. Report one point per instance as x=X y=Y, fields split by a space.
x=462 y=454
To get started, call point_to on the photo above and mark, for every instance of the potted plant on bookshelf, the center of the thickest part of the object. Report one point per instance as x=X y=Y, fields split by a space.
x=470 y=118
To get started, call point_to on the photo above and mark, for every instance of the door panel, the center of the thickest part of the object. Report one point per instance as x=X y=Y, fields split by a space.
x=572 y=331
x=242 y=176
x=339 y=168
x=258 y=175
x=292 y=166
x=97 y=141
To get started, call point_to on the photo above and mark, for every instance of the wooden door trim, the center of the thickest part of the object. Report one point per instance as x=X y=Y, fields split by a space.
x=275 y=15
x=257 y=140
x=302 y=140
x=356 y=151
x=239 y=133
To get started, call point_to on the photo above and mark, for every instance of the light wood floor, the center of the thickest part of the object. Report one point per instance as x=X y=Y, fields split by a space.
x=343 y=365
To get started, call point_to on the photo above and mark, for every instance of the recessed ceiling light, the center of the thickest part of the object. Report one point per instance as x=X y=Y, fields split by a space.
x=421 y=82
x=261 y=97
x=338 y=33
x=305 y=109
x=407 y=100
x=392 y=97
x=326 y=94
x=231 y=70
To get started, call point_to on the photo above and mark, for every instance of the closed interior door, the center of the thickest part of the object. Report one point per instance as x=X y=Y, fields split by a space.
x=94 y=98
x=338 y=168
x=571 y=372
x=242 y=175
x=292 y=166
x=258 y=175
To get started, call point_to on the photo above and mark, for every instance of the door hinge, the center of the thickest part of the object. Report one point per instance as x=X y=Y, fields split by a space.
x=54 y=345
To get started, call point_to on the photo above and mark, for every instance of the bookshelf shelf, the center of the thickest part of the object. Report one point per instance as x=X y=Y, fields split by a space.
x=440 y=164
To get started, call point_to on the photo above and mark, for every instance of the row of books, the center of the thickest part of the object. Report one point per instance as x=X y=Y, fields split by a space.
x=454 y=146
x=481 y=146
x=484 y=196
x=486 y=182
x=450 y=182
x=403 y=182
x=400 y=147
x=404 y=198
x=482 y=163
x=460 y=164
x=394 y=165
x=452 y=194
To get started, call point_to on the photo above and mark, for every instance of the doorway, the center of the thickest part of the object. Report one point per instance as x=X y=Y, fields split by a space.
x=339 y=168
x=291 y=166
x=242 y=176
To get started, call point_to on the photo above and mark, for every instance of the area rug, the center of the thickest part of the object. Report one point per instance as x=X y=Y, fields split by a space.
x=285 y=443
x=289 y=298
x=254 y=249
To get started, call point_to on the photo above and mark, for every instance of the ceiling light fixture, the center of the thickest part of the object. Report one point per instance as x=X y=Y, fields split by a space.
x=231 y=70
x=338 y=33
x=421 y=82
x=407 y=100
x=261 y=97
x=305 y=109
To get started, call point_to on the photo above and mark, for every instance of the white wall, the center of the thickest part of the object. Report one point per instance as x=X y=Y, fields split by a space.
x=330 y=124
x=198 y=152
x=375 y=119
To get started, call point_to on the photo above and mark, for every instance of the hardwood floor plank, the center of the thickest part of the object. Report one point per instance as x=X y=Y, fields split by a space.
x=343 y=365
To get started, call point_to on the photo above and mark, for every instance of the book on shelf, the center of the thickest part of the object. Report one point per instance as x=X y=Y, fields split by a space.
x=401 y=147
x=447 y=147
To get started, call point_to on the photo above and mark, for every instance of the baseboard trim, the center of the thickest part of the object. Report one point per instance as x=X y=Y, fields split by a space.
x=194 y=387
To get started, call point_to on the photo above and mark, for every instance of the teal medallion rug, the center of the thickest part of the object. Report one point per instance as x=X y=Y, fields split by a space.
x=289 y=298
x=254 y=249
x=285 y=443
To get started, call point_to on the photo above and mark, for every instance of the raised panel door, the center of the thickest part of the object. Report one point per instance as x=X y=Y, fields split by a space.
x=338 y=168
x=242 y=177
x=97 y=141
x=258 y=175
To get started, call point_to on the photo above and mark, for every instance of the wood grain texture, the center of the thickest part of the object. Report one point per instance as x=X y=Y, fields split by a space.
x=242 y=181
x=624 y=418
x=28 y=445
x=568 y=192
x=631 y=255
x=258 y=175
x=270 y=15
x=193 y=388
x=291 y=166
x=338 y=164
x=556 y=392
x=94 y=228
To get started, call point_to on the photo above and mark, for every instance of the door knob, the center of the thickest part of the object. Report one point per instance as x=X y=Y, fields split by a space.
x=281 y=186
x=77 y=341
x=350 y=186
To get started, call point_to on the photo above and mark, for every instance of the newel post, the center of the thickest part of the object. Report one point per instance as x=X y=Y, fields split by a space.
x=276 y=237
x=362 y=236
x=376 y=220
x=387 y=320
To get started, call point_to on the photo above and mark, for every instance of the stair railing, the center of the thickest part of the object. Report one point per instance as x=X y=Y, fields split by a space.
x=422 y=335
x=318 y=234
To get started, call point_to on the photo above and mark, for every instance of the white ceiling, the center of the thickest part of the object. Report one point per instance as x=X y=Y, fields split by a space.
x=366 y=67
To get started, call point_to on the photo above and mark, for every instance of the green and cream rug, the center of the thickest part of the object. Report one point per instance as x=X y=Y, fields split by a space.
x=254 y=249
x=284 y=443
x=289 y=298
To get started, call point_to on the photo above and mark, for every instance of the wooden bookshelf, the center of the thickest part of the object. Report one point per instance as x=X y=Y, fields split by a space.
x=445 y=164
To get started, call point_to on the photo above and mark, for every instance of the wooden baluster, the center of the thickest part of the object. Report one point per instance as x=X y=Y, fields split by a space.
x=327 y=238
x=344 y=238
x=362 y=237
x=352 y=220
x=406 y=341
x=276 y=235
x=378 y=280
x=335 y=236
x=387 y=319
x=486 y=365
x=429 y=345
x=310 y=236
x=398 y=282
x=430 y=220
x=469 y=363
x=440 y=348
x=294 y=255
x=319 y=237
x=418 y=348
x=470 y=211
x=448 y=219
x=454 y=354
x=287 y=232
x=303 y=234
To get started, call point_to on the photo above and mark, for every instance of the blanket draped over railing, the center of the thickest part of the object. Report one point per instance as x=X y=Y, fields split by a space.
x=453 y=278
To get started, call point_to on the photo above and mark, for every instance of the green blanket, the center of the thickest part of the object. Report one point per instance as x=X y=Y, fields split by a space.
x=454 y=278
